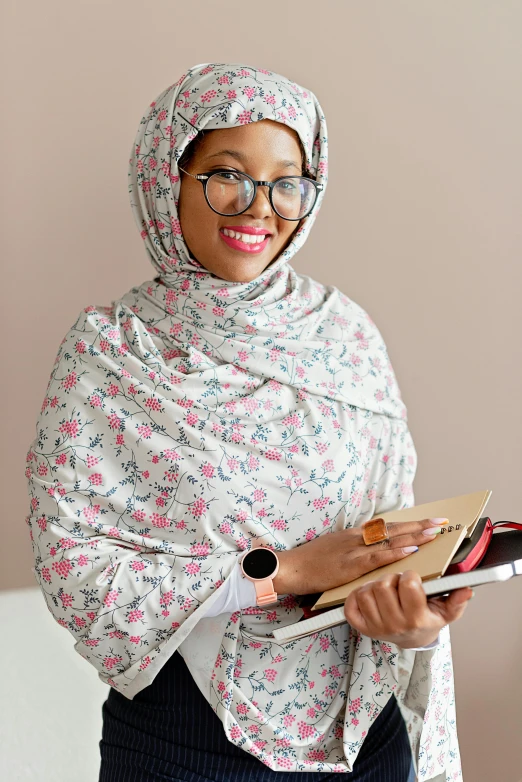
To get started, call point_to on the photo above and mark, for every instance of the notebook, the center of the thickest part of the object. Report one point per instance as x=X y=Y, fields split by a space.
x=433 y=587
x=430 y=561
x=502 y=561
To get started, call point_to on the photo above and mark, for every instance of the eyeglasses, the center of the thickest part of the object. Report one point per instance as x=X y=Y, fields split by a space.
x=232 y=192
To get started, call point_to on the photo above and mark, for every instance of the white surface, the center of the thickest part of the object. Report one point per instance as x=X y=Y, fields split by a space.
x=50 y=721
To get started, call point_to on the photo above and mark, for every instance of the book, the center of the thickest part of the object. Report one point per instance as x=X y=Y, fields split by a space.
x=433 y=587
x=430 y=561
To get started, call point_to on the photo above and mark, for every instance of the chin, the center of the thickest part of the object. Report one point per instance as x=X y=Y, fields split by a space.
x=242 y=272
x=239 y=277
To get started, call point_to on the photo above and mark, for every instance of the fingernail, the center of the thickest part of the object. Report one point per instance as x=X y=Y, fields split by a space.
x=437 y=522
x=410 y=549
x=432 y=531
x=472 y=593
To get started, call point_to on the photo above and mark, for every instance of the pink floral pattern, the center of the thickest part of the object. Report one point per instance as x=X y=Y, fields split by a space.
x=194 y=415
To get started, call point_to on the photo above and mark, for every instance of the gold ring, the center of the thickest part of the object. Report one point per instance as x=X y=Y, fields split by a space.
x=374 y=531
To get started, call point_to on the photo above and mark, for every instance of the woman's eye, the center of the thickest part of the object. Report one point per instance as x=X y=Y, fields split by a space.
x=228 y=176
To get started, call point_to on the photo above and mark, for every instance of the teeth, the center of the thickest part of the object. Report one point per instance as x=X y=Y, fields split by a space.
x=246 y=238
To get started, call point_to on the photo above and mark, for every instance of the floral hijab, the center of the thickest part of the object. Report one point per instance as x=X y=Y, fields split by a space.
x=196 y=415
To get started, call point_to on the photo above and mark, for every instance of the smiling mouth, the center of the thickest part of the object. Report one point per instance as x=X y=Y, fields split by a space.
x=244 y=242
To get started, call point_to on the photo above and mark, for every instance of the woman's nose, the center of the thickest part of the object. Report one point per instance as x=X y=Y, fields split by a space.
x=261 y=206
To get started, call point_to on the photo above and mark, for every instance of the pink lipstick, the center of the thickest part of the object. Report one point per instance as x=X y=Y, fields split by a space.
x=244 y=246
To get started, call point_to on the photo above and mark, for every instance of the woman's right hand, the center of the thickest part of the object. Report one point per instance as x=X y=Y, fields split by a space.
x=340 y=557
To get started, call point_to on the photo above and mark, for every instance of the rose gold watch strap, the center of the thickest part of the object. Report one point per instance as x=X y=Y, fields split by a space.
x=265 y=592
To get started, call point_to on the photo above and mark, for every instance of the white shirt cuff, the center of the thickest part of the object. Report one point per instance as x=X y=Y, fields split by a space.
x=235 y=594
x=433 y=645
x=238 y=592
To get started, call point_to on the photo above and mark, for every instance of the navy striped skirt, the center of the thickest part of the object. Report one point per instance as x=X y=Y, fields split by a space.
x=169 y=732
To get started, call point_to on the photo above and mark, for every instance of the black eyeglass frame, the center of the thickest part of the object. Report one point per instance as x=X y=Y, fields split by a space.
x=204 y=177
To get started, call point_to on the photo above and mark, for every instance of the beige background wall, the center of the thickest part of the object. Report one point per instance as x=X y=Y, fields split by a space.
x=421 y=225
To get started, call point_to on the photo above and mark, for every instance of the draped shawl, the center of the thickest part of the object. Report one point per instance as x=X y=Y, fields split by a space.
x=194 y=415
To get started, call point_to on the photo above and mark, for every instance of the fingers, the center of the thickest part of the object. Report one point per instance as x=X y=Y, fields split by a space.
x=354 y=616
x=367 y=604
x=412 y=597
x=364 y=559
x=405 y=535
x=404 y=538
x=413 y=539
x=376 y=608
x=451 y=608
x=462 y=595
x=379 y=602
x=395 y=607
x=395 y=601
x=416 y=538
x=401 y=534
x=398 y=528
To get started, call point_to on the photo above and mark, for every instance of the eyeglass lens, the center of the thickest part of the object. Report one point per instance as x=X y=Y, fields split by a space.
x=230 y=193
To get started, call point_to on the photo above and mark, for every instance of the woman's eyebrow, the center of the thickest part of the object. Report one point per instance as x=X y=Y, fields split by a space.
x=241 y=158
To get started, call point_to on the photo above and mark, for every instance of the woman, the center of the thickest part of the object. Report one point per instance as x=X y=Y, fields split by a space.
x=231 y=402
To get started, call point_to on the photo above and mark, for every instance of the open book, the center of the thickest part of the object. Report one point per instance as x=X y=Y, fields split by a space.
x=430 y=561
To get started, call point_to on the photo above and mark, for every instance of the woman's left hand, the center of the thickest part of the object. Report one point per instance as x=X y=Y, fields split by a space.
x=394 y=608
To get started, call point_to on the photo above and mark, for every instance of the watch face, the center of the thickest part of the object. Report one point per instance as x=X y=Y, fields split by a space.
x=260 y=563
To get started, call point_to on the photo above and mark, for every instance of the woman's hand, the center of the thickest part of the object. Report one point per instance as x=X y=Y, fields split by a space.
x=394 y=608
x=339 y=557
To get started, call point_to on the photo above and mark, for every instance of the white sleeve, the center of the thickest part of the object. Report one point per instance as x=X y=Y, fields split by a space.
x=433 y=645
x=238 y=592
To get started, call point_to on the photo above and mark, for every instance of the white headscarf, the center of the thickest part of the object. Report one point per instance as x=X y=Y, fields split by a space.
x=195 y=415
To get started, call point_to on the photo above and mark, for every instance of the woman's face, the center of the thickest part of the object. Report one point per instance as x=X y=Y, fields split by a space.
x=266 y=150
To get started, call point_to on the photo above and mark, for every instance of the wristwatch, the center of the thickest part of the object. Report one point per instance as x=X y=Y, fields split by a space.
x=260 y=565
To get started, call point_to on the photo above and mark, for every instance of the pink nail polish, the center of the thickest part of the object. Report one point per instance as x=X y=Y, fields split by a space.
x=438 y=522
x=410 y=549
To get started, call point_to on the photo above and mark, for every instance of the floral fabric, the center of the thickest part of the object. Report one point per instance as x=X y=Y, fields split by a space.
x=194 y=415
